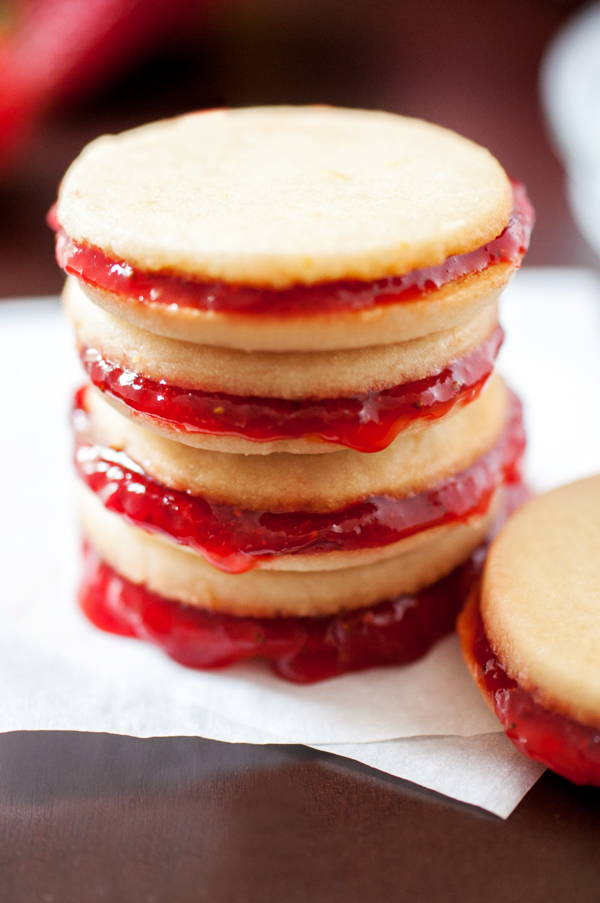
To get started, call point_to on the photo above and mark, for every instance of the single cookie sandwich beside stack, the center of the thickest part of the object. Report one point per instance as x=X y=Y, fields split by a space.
x=530 y=634
x=291 y=444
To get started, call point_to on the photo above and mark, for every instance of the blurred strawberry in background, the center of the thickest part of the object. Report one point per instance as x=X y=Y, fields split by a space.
x=57 y=50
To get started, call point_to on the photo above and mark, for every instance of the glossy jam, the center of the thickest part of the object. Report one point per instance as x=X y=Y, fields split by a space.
x=570 y=748
x=235 y=540
x=366 y=423
x=92 y=266
x=302 y=650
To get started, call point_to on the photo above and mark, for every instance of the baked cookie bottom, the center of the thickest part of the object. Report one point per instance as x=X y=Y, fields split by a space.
x=565 y=745
x=397 y=630
x=448 y=307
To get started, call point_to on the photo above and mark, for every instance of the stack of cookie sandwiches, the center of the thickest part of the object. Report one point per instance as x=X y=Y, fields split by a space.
x=292 y=443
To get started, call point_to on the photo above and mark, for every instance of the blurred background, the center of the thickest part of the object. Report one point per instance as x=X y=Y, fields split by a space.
x=73 y=69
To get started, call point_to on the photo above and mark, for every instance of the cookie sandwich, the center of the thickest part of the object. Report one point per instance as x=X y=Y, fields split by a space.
x=251 y=289
x=310 y=278
x=530 y=633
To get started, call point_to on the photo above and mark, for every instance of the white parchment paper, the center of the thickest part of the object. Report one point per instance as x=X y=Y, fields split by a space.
x=425 y=722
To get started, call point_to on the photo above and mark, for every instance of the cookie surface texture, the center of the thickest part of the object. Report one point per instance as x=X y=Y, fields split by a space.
x=540 y=600
x=285 y=195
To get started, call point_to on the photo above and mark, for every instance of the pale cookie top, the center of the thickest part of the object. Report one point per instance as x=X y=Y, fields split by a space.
x=275 y=196
x=541 y=599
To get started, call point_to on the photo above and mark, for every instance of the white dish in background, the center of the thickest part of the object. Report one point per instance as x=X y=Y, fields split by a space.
x=570 y=88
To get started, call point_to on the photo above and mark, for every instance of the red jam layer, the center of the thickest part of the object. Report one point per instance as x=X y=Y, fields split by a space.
x=303 y=650
x=92 y=266
x=366 y=423
x=570 y=748
x=235 y=540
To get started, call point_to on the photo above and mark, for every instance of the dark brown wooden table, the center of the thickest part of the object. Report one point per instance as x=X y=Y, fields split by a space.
x=87 y=817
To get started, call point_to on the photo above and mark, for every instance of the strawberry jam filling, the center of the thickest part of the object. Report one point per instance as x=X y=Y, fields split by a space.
x=91 y=265
x=235 y=540
x=568 y=747
x=395 y=631
x=366 y=423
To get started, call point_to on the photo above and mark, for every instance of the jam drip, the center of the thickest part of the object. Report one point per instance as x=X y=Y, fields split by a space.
x=303 y=650
x=568 y=747
x=366 y=423
x=92 y=266
x=235 y=540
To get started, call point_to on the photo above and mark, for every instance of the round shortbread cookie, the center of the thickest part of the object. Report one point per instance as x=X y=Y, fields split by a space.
x=540 y=599
x=290 y=375
x=410 y=464
x=182 y=575
x=277 y=196
x=450 y=306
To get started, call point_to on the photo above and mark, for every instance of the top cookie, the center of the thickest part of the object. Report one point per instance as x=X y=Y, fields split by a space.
x=278 y=196
x=540 y=599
